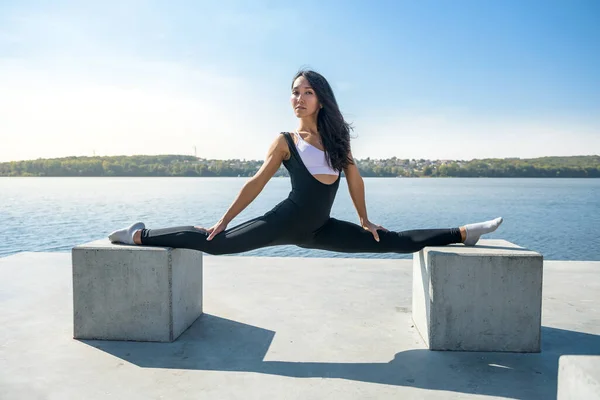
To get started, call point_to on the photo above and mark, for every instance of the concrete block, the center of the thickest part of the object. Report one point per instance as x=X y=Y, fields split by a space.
x=138 y=293
x=578 y=378
x=482 y=298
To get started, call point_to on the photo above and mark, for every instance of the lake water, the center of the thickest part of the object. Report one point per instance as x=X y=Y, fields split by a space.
x=558 y=218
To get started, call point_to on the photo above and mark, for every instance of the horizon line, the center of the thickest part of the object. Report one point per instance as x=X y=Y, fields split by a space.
x=228 y=159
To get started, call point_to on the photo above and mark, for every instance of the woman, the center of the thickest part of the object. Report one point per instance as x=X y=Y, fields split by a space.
x=315 y=154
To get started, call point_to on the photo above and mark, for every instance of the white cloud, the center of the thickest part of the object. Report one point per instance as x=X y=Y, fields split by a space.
x=457 y=134
x=162 y=109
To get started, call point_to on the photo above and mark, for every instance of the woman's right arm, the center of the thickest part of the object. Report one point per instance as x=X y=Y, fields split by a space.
x=251 y=189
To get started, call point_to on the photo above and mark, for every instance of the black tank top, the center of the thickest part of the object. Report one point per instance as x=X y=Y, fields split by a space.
x=307 y=191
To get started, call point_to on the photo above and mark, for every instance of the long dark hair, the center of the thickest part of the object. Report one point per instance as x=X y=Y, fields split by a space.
x=333 y=129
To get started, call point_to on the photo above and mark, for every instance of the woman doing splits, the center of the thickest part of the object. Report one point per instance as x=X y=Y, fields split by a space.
x=314 y=154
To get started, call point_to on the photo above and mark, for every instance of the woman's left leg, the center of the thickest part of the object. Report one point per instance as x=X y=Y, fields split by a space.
x=346 y=237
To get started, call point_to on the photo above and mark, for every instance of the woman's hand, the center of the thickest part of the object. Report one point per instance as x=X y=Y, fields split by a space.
x=369 y=226
x=215 y=229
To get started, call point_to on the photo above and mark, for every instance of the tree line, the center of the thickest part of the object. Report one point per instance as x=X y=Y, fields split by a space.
x=181 y=165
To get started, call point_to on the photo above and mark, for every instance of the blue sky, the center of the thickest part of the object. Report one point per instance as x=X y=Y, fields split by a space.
x=418 y=79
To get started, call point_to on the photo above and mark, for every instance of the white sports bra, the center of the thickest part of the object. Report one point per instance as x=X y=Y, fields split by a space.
x=313 y=158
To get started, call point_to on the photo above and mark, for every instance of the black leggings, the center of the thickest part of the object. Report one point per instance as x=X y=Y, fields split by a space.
x=286 y=224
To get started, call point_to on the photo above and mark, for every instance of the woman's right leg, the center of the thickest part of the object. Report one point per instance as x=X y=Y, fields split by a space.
x=270 y=229
x=247 y=236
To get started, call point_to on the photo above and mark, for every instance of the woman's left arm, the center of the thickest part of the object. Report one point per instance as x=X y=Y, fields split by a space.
x=356 y=187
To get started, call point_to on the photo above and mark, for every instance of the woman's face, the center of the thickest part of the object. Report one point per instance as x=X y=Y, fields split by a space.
x=304 y=100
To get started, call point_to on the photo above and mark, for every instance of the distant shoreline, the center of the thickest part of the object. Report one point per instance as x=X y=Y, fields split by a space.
x=284 y=177
x=189 y=166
